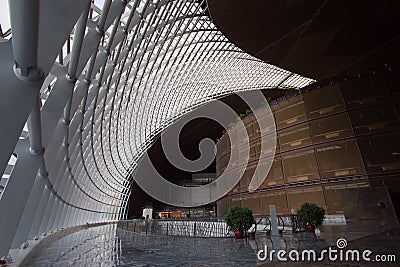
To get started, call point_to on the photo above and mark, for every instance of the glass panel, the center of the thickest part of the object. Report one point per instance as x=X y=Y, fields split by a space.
x=243 y=154
x=375 y=119
x=294 y=137
x=290 y=112
x=246 y=178
x=381 y=153
x=393 y=83
x=331 y=128
x=268 y=149
x=241 y=135
x=221 y=165
x=365 y=92
x=256 y=127
x=235 y=158
x=296 y=197
x=236 y=188
x=249 y=128
x=276 y=198
x=300 y=165
x=339 y=159
x=222 y=207
x=254 y=150
x=253 y=203
x=324 y=101
x=223 y=147
x=264 y=118
x=234 y=136
x=275 y=175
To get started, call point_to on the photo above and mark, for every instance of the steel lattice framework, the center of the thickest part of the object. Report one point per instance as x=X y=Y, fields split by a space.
x=90 y=88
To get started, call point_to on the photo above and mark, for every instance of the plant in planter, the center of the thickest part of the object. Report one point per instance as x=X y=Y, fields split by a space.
x=311 y=215
x=239 y=220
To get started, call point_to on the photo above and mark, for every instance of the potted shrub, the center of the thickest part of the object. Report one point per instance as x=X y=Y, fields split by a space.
x=239 y=220
x=311 y=215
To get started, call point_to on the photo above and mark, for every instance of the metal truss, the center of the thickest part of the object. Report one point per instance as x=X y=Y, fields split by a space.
x=85 y=90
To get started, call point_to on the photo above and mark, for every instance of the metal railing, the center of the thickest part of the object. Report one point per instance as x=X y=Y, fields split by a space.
x=179 y=227
x=288 y=223
x=208 y=227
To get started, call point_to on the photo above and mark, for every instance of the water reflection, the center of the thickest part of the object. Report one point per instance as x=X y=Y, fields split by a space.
x=109 y=246
x=145 y=250
x=97 y=246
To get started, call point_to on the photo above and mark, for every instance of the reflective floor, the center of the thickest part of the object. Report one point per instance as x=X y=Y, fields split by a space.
x=97 y=246
x=109 y=246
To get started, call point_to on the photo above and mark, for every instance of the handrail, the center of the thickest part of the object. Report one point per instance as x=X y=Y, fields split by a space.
x=189 y=228
x=284 y=221
x=210 y=227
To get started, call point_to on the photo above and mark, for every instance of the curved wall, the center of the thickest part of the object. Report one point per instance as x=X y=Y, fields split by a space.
x=337 y=147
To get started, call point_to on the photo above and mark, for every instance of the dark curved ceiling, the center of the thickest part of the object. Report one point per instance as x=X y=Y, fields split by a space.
x=316 y=38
